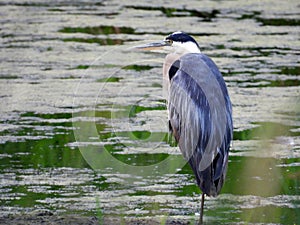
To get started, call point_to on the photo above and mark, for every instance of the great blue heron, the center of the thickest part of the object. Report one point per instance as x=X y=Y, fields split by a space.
x=200 y=112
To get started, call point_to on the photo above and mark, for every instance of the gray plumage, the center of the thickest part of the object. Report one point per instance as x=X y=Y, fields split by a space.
x=200 y=118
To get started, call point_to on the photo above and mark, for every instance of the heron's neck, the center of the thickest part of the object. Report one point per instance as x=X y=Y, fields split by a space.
x=187 y=47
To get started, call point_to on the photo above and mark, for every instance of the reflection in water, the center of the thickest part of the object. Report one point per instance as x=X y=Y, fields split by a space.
x=57 y=50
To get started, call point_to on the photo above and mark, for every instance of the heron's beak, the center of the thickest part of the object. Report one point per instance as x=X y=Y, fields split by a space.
x=153 y=45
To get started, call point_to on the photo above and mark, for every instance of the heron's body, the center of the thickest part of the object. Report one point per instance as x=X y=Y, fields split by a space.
x=200 y=114
x=193 y=88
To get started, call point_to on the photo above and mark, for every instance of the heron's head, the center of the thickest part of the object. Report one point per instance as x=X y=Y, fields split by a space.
x=178 y=42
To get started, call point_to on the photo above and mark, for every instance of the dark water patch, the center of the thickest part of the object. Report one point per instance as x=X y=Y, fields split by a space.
x=104 y=114
x=32 y=123
x=26 y=198
x=26 y=133
x=273 y=33
x=257 y=51
x=81 y=67
x=135 y=109
x=284 y=83
x=189 y=189
x=156 y=85
x=30 y=4
x=143 y=135
x=109 y=79
x=7 y=35
x=50 y=152
x=138 y=67
x=242 y=135
x=47 y=116
x=142 y=159
x=278 y=21
x=7 y=77
x=107 y=30
x=57 y=126
x=147 y=193
x=265 y=130
x=249 y=15
x=131 y=138
x=263 y=51
x=69 y=77
x=93 y=11
x=235 y=40
x=5 y=96
x=232 y=72
x=98 y=30
x=100 y=41
x=120 y=111
x=250 y=52
x=56 y=10
x=16 y=46
x=35 y=130
x=290 y=70
x=175 y=12
x=34 y=82
x=260 y=83
x=219 y=46
x=84 y=67
x=46 y=69
x=113 y=148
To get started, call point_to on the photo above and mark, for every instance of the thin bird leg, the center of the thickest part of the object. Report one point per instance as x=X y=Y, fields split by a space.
x=201 y=210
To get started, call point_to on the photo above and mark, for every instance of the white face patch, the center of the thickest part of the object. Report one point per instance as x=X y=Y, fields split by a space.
x=188 y=47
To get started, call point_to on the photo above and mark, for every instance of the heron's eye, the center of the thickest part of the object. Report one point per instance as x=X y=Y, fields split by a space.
x=169 y=41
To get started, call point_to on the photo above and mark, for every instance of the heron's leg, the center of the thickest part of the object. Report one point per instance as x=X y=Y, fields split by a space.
x=201 y=210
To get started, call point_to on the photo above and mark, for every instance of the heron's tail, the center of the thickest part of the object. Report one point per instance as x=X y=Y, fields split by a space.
x=210 y=180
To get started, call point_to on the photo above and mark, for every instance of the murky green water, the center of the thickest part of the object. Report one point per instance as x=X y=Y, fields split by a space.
x=84 y=126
